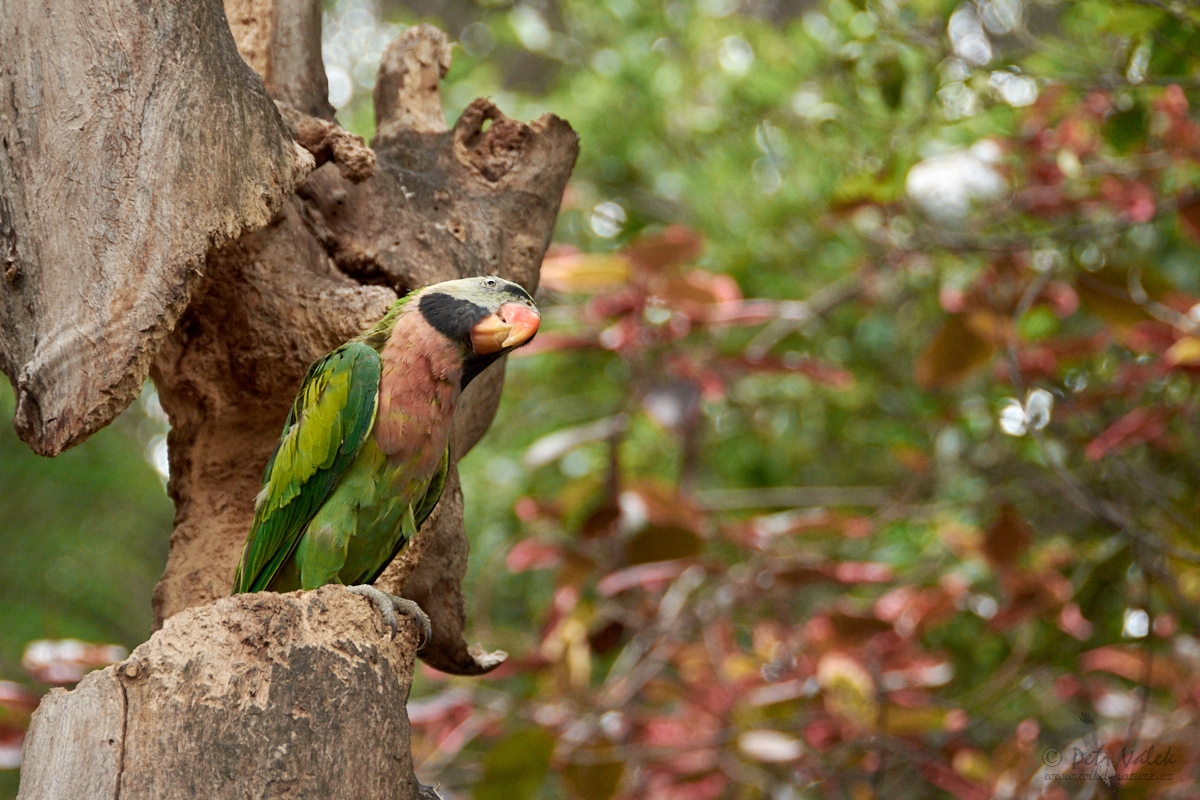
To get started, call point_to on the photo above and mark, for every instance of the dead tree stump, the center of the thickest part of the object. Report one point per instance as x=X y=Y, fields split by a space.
x=255 y=696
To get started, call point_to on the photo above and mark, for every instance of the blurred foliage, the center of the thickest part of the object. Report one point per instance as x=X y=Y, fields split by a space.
x=84 y=540
x=857 y=455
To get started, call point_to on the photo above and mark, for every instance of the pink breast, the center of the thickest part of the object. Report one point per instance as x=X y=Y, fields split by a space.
x=417 y=393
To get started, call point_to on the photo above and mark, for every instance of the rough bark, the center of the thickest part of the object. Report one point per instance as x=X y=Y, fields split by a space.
x=281 y=41
x=255 y=696
x=132 y=138
x=439 y=204
x=177 y=149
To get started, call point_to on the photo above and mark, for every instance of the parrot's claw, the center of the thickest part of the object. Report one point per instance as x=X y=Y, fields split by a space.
x=389 y=605
x=427 y=792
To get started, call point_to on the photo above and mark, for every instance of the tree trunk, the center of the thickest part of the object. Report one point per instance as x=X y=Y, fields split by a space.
x=254 y=696
x=132 y=138
x=438 y=204
x=257 y=696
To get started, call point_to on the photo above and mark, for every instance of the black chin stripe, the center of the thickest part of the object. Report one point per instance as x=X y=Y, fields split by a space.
x=475 y=365
x=451 y=316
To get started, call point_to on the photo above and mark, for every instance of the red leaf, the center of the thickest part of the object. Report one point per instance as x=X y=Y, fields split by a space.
x=862 y=572
x=839 y=629
x=1063 y=298
x=551 y=341
x=1135 y=200
x=822 y=733
x=817 y=371
x=1029 y=595
x=1072 y=622
x=16 y=698
x=845 y=572
x=654 y=577
x=954 y=352
x=1151 y=336
x=910 y=609
x=444 y=705
x=707 y=788
x=676 y=244
x=1140 y=425
x=693 y=295
x=531 y=554
x=1189 y=220
x=950 y=781
x=67 y=660
x=1007 y=538
x=1130 y=664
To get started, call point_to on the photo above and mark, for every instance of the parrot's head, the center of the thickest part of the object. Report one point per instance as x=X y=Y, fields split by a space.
x=487 y=316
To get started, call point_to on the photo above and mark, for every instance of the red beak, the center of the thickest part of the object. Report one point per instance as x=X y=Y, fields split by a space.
x=512 y=326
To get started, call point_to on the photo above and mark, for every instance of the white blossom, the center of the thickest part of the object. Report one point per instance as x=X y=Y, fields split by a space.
x=1137 y=623
x=1034 y=415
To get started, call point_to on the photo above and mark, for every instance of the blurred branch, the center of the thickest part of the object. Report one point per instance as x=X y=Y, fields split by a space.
x=792 y=497
x=1121 y=82
x=1140 y=539
x=647 y=653
x=554 y=446
x=930 y=235
x=792 y=316
x=1031 y=293
x=1137 y=293
x=453 y=743
x=1107 y=513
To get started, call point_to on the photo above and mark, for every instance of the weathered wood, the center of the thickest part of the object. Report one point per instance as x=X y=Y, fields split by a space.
x=255 y=696
x=268 y=305
x=281 y=41
x=132 y=138
x=440 y=204
x=75 y=744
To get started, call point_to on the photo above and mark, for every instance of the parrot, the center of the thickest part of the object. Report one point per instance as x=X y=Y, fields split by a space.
x=364 y=452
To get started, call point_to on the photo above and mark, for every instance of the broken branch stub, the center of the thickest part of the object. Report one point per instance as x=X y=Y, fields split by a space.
x=132 y=138
x=439 y=204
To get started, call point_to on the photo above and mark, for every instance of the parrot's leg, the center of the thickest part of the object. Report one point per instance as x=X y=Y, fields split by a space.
x=389 y=605
x=427 y=792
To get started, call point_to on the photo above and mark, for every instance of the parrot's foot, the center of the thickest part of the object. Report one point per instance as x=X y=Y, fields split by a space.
x=390 y=605
x=427 y=792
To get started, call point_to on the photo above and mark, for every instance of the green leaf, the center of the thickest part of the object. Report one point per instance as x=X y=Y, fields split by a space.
x=889 y=75
x=655 y=543
x=516 y=767
x=597 y=780
x=1037 y=323
x=1126 y=130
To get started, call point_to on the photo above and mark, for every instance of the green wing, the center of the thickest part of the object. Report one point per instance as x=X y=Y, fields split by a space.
x=330 y=419
x=420 y=512
x=429 y=502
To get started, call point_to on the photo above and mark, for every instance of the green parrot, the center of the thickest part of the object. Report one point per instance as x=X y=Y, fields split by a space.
x=364 y=452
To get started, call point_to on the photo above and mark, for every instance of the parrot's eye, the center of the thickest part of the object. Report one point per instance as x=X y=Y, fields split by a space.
x=490 y=283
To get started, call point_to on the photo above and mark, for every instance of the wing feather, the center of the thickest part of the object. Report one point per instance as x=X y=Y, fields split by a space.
x=332 y=416
x=420 y=512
